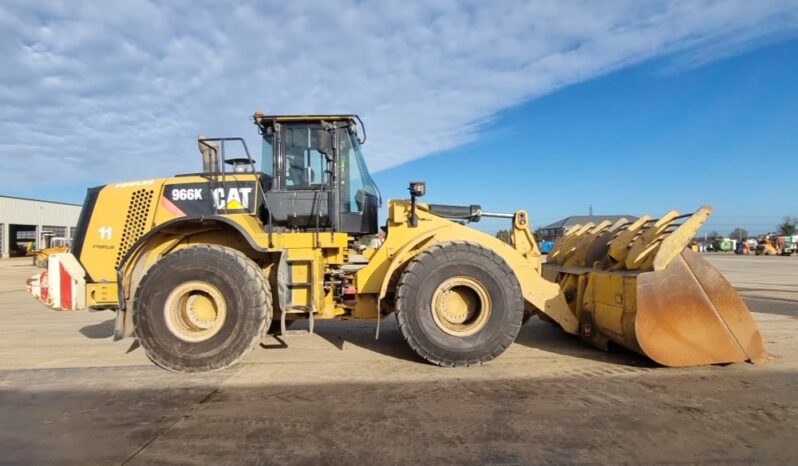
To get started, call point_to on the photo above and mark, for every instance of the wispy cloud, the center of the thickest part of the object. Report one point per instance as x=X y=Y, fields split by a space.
x=119 y=90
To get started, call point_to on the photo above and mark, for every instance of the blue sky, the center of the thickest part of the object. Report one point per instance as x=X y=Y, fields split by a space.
x=546 y=105
x=644 y=139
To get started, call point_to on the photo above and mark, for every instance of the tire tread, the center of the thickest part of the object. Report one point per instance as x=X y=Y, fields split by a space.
x=408 y=284
x=253 y=274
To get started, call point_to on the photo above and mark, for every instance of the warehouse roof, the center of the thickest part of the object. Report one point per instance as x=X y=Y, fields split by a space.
x=39 y=200
x=583 y=219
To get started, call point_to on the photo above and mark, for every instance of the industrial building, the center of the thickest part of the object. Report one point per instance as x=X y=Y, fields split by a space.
x=26 y=224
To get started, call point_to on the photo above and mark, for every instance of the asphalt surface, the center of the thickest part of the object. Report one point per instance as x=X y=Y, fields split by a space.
x=70 y=395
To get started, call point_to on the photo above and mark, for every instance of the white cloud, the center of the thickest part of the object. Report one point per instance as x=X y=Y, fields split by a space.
x=95 y=90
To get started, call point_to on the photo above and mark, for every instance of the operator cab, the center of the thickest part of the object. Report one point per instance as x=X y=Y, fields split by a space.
x=314 y=175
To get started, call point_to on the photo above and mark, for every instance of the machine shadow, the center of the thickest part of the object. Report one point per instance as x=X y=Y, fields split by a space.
x=548 y=337
x=360 y=334
x=535 y=334
x=104 y=329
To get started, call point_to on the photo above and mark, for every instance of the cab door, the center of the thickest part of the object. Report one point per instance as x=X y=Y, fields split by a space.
x=359 y=199
x=300 y=194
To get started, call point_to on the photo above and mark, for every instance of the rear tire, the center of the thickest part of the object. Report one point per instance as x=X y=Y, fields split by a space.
x=201 y=308
x=459 y=304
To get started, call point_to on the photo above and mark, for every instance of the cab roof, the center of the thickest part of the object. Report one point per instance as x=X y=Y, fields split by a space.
x=339 y=117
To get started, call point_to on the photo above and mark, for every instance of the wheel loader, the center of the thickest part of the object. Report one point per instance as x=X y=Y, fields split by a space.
x=199 y=267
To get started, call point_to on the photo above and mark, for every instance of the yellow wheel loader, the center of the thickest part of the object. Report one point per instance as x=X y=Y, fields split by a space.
x=200 y=266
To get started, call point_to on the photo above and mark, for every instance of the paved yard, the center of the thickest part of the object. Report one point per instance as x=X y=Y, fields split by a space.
x=69 y=394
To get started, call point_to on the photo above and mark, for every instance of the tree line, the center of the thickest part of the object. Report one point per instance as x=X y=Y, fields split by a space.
x=788 y=227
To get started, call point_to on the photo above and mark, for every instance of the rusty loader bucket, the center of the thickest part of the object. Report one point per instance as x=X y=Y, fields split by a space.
x=638 y=285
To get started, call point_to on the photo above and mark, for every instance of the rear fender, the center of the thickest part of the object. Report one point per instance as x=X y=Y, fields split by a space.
x=162 y=240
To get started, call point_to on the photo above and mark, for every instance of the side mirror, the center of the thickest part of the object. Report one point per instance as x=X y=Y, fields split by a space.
x=324 y=141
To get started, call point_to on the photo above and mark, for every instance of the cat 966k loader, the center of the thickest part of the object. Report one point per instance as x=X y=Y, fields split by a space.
x=200 y=266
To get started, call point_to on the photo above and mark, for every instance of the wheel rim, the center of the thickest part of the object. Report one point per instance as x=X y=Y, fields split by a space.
x=461 y=306
x=195 y=311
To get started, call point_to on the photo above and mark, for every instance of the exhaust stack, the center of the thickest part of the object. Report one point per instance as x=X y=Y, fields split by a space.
x=210 y=155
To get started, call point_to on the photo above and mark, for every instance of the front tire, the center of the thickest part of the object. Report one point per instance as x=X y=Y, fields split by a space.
x=201 y=308
x=459 y=304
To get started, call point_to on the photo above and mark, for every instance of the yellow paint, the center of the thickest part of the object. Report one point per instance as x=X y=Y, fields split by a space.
x=461 y=306
x=604 y=295
x=101 y=294
x=572 y=291
x=139 y=204
x=234 y=204
x=404 y=242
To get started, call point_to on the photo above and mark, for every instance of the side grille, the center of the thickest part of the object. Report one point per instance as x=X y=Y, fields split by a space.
x=135 y=222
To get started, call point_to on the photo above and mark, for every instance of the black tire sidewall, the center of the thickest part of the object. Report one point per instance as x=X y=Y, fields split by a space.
x=244 y=319
x=475 y=262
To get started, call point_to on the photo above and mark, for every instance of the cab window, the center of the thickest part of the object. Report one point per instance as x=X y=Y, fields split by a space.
x=304 y=164
x=267 y=156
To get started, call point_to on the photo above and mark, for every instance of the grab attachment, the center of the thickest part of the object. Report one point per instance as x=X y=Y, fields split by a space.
x=635 y=283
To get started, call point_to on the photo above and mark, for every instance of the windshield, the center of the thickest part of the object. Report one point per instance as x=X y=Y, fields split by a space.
x=356 y=181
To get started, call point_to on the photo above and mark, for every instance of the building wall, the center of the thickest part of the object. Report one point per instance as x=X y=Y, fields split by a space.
x=44 y=215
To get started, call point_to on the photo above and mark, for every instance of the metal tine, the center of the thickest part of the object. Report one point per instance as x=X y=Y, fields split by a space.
x=564 y=245
x=622 y=224
x=592 y=251
x=668 y=238
x=565 y=239
x=568 y=246
x=618 y=228
x=644 y=235
x=575 y=255
x=673 y=244
x=647 y=242
x=582 y=229
x=619 y=246
x=600 y=227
